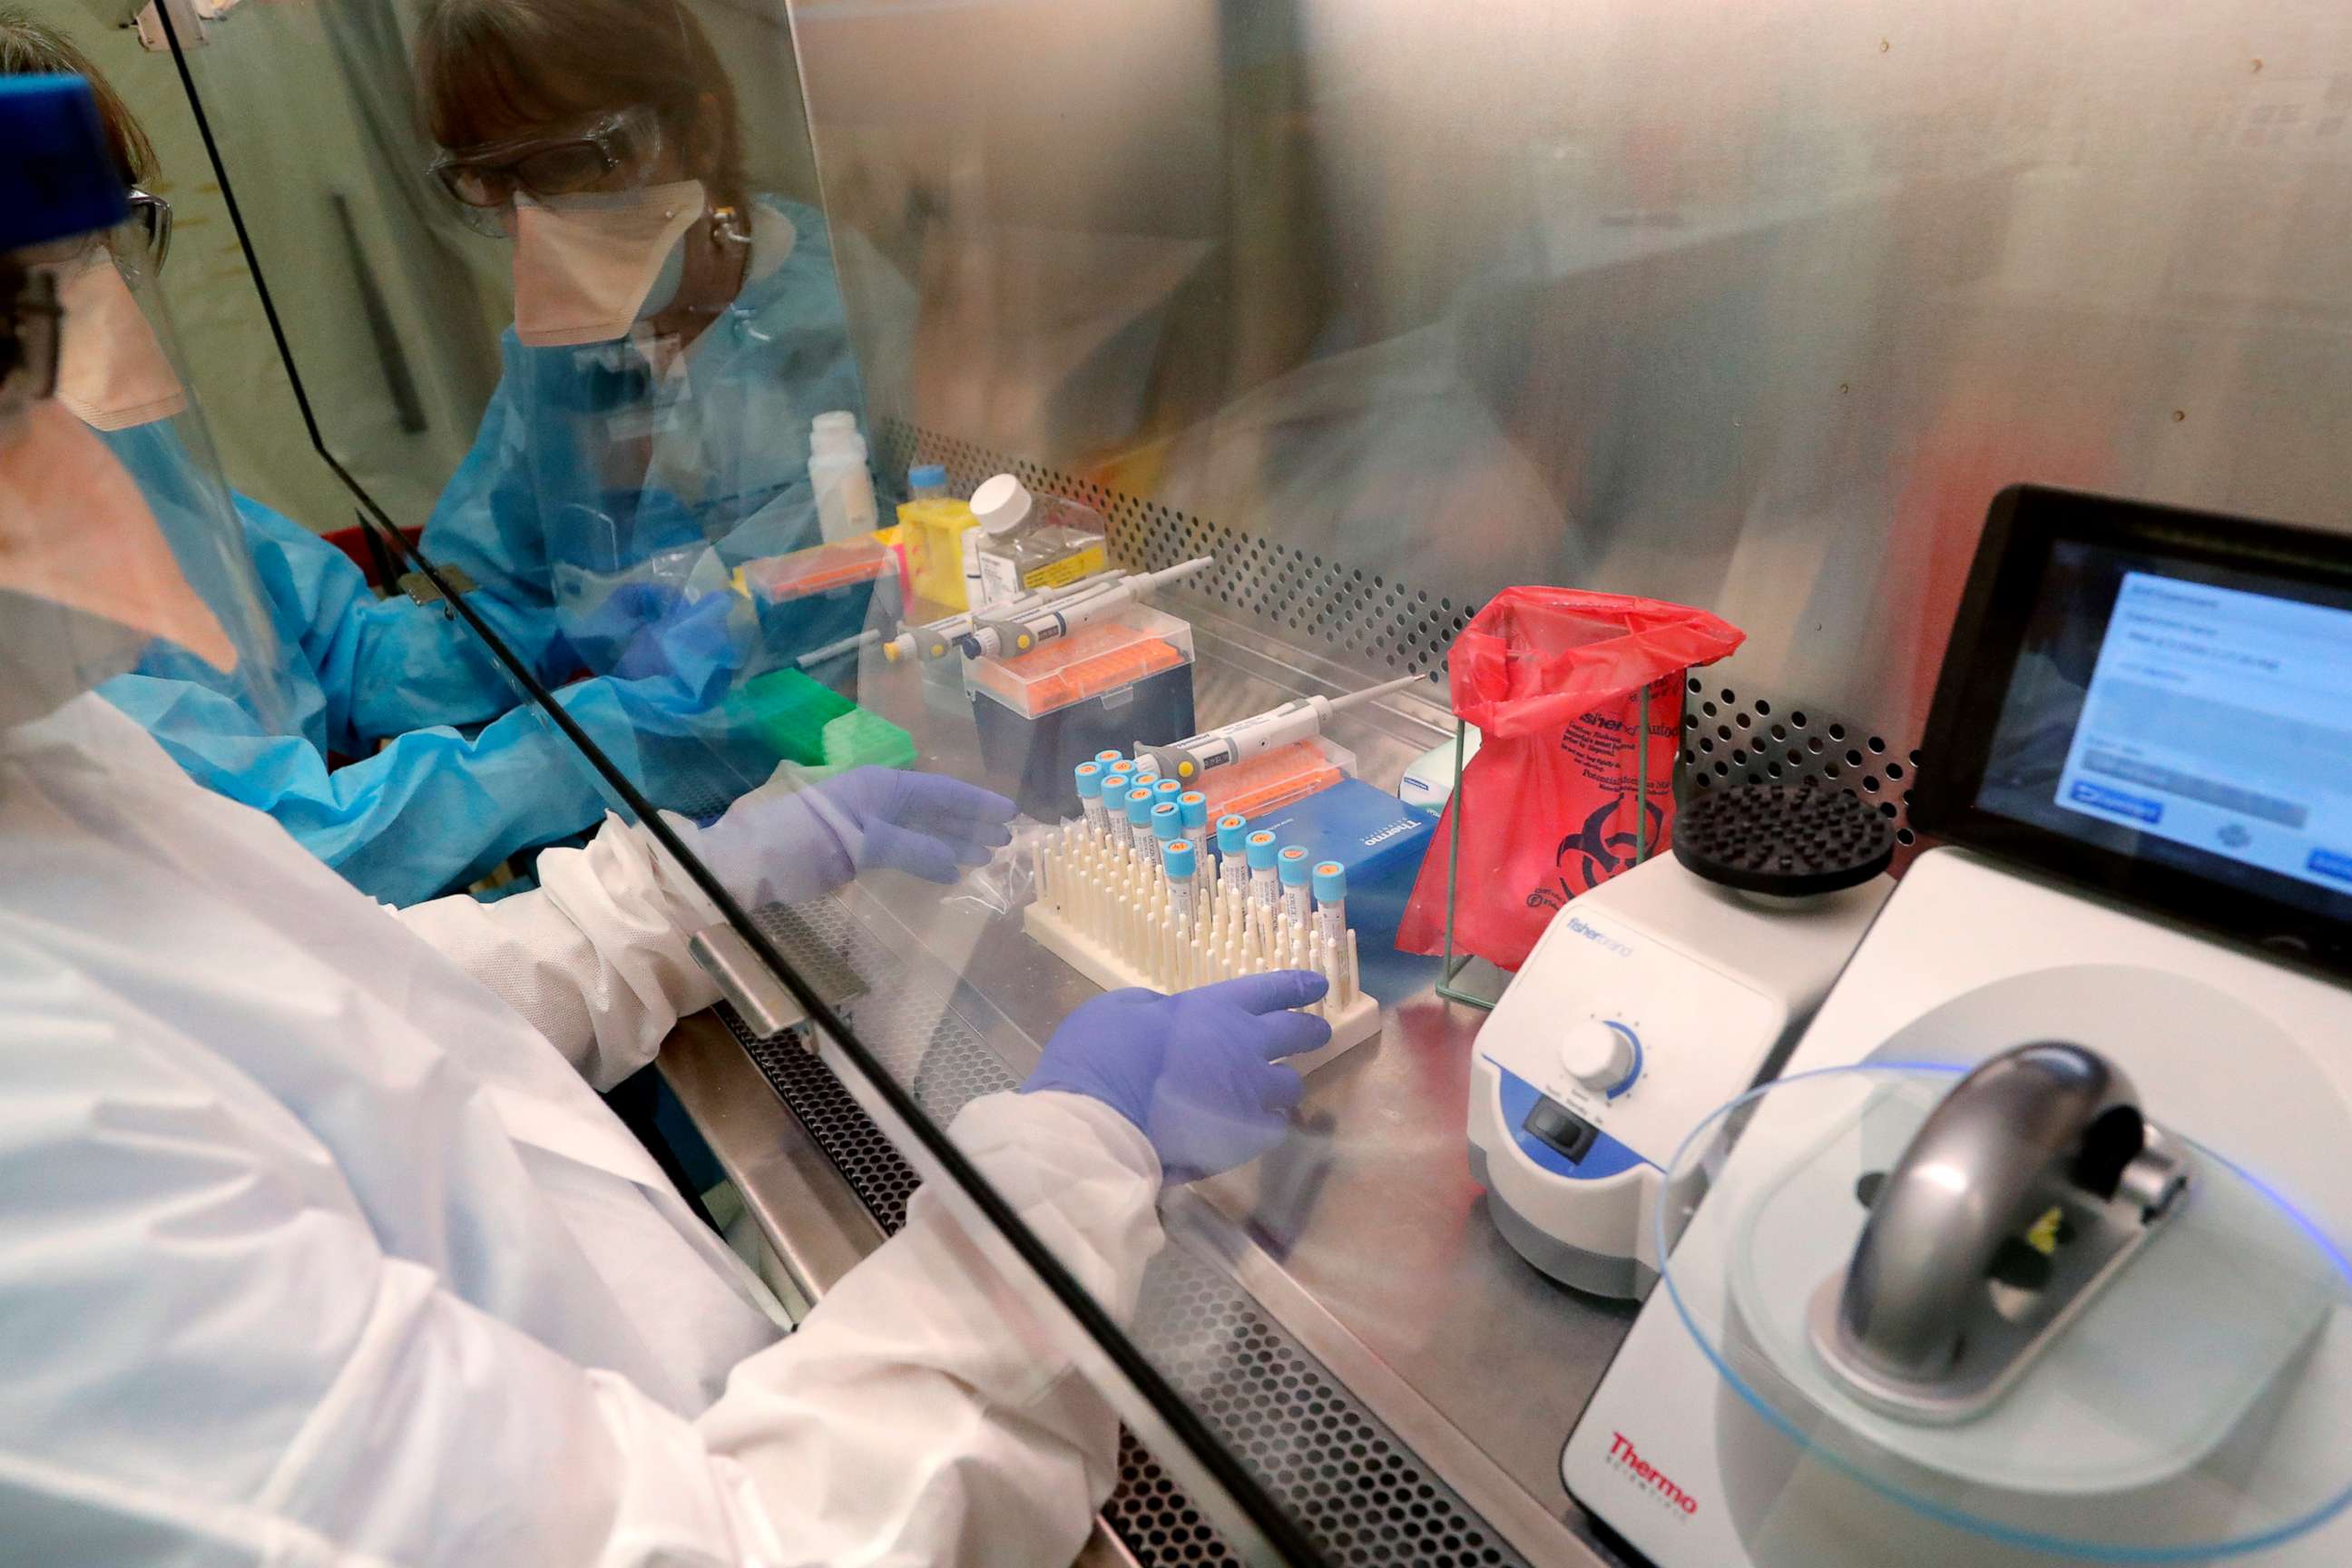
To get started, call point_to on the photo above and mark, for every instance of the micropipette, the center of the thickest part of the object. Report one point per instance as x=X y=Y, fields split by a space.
x=936 y=639
x=999 y=631
x=1300 y=721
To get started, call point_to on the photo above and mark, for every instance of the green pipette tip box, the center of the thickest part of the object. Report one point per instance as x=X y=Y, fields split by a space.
x=808 y=723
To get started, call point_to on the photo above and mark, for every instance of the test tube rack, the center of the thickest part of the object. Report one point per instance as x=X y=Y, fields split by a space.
x=1105 y=908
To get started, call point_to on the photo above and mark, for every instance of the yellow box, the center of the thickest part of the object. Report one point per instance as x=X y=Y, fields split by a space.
x=934 y=530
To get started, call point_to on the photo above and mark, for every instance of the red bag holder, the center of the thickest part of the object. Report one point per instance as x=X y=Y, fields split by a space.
x=1580 y=699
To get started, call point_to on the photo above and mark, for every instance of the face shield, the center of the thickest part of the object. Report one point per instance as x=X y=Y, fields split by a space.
x=120 y=552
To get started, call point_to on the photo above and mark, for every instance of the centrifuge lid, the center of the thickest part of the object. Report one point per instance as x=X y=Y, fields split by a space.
x=2186 y=1376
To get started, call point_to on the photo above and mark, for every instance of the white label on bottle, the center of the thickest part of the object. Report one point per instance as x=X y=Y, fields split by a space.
x=975 y=589
x=1000 y=577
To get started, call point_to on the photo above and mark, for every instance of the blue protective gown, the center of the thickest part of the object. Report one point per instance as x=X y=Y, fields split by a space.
x=591 y=472
x=436 y=806
x=597 y=468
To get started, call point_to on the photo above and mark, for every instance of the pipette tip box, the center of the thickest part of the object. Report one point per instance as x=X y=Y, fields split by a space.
x=1103 y=686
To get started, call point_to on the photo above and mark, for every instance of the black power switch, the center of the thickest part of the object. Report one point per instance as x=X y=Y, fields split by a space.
x=1562 y=1128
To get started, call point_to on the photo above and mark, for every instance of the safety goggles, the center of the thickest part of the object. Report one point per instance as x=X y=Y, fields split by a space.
x=139 y=243
x=487 y=178
x=151 y=221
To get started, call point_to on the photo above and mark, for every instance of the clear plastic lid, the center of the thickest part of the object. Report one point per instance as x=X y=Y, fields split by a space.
x=2193 y=1405
x=1091 y=661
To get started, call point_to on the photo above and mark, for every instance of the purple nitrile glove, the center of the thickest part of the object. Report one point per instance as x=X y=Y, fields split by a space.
x=1196 y=1072
x=781 y=846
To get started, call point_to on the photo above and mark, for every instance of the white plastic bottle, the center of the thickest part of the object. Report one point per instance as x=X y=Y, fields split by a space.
x=1025 y=541
x=837 y=473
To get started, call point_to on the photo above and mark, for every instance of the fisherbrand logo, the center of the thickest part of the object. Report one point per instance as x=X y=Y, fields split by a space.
x=1600 y=939
x=1652 y=1481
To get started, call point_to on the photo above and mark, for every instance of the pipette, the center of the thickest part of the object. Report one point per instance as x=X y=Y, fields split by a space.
x=936 y=639
x=1000 y=632
x=1300 y=721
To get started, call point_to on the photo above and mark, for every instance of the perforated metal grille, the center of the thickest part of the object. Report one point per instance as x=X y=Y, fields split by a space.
x=1358 y=1492
x=1366 y=617
x=1729 y=738
x=1378 y=623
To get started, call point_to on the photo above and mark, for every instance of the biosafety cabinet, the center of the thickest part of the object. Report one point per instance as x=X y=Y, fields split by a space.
x=1759 y=311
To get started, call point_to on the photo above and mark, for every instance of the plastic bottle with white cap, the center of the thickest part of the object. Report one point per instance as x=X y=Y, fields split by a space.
x=837 y=474
x=1026 y=541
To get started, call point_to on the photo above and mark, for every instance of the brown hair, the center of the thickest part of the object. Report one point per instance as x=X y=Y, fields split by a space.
x=490 y=70
x=35 y=48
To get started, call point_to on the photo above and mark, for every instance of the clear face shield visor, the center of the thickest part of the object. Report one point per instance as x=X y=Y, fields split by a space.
x=121 y=554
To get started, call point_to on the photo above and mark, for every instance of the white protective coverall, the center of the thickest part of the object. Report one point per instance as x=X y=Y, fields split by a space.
x=315 y=1252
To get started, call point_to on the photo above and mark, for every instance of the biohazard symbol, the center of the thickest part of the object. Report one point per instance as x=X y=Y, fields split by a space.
x=1600 y=854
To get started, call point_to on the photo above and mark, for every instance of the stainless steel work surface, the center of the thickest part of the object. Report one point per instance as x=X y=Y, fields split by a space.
x=1364 y=1236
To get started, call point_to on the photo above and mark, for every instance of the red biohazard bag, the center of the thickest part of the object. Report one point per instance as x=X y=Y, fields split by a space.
x=1562 y=792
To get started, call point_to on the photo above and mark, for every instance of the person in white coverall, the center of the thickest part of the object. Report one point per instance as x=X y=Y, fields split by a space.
x=316 y=1244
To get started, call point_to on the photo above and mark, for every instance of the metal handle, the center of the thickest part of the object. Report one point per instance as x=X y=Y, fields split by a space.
x=766 y=1007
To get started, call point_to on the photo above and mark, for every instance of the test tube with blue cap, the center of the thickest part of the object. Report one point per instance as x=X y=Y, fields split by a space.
x=1233 y=855
x=1165 y=789
x=1266 y=891
x=1183 y=864
x=1139 y=823
x=1330 y=885
x=1090 y=788
x=1167 y=828
x=1194 y=808
x=1296 y=873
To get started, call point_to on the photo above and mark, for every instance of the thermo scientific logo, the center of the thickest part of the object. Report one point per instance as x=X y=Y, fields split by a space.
x=1652 y=1481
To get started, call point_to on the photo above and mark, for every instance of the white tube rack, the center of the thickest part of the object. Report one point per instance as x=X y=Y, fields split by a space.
x=1107 y=911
